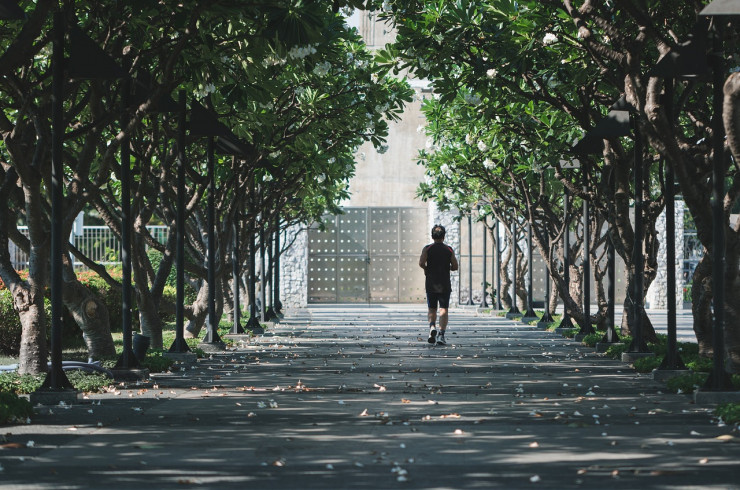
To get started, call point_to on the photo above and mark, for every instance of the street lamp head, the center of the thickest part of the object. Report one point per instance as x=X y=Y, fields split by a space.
x=88 y=61
x=687 y=61
x=721 y=7
x=9 y=10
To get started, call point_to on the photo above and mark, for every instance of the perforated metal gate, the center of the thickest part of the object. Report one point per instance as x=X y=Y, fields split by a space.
x=368 y=255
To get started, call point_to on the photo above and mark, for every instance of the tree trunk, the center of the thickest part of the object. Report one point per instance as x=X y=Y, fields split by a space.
x=33 y=350
x=648 y=331
x=90 y=313
x=506 y=299
x=199 y=312
x=701 y=303
x=151 y=323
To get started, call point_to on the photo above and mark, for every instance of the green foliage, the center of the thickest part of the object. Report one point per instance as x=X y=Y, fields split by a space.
x=110 y=297
x=13 y=409
x=157 y=362
x=12 y=382
x=686 y=383
x=592 y=339
x=615 y=351
x=10 y=325
x=647 y=364
x=699 y=364
x=728 y=412
x=88 y=382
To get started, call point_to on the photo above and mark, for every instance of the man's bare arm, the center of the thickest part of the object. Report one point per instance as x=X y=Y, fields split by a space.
x=453 y=263
x=423 y=259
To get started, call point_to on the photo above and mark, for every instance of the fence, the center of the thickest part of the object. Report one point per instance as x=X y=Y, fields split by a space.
x=98 y=243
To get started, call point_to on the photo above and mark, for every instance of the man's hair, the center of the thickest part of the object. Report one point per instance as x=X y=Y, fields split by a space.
x=438 y=231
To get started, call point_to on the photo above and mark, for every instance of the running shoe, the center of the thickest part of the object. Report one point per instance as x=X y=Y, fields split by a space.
x=441 y=339
x=432 y=335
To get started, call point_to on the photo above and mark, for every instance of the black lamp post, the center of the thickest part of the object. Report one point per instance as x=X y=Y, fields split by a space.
x=277 y=305
x=497 y=255
x=236 y=328
x=547 y=318
x=719 y=378
x=586 y=327
x=530 y=314
x=514 y=309
x=87 y=61
x=470 y=301
x=566 y=321
x=483 y=302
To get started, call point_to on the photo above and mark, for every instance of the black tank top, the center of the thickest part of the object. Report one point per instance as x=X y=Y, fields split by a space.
x=439 y=258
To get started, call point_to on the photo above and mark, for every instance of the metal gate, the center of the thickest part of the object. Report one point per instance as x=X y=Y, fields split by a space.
x=368 y=255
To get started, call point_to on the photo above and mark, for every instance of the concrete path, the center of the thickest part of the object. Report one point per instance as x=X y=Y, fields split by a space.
x=354 y=397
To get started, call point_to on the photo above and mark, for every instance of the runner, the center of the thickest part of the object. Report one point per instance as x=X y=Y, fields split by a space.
x=438 y=259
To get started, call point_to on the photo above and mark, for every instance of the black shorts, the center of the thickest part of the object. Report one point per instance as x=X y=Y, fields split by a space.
x=442 y=298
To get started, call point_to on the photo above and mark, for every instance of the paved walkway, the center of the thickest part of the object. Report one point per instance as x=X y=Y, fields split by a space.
x=354 y=397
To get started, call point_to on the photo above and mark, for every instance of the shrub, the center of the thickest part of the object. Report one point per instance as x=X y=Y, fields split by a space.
x=647 y=364
x=12 y=382
x=111 y=298
x=10 y=325
x=88 y=382
x=13 y=409
x=700 y=364
x=686 y=383
x=729 y=412
x=592 y=339
x=615 y=351
x=156 y=362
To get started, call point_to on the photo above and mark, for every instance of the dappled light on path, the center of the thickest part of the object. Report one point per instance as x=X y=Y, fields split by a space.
x=363 y=401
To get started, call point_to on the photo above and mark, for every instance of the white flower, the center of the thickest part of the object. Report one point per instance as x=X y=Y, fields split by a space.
x=445 y=170
x=487 y=163
x=332 y=160
x=491 y=73
x=299 y=52
x=274 y=154
x=549 y=38
x=267 y=178
x=450 y=197
x=321 y=178
x=469 y=139
x=420 y=128
x=482 y=146
x=322 y=68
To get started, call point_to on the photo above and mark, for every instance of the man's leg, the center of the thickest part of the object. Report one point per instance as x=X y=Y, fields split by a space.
x=444 y=304
x=432 y=317
x=442 y=319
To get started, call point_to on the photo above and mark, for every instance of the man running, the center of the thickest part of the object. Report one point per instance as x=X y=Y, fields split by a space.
x=438 y=259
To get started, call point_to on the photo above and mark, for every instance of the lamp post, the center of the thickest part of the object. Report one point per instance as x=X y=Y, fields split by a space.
x=547 y=318
x=235 y=277
x=179 y=345
x=277 y=305
x=514 y=310
x=497 y=255
x=719 y=378
x=470 y=301
x=530 y=314
x=586 y=327
x=566 y=322
x=483 y=302
x=87 y=61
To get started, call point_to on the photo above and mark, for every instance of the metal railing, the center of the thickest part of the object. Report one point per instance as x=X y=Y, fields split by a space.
x=98 y=243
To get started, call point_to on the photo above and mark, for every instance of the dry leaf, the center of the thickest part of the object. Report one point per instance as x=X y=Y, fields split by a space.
x=534 y=444
x=405 y=400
